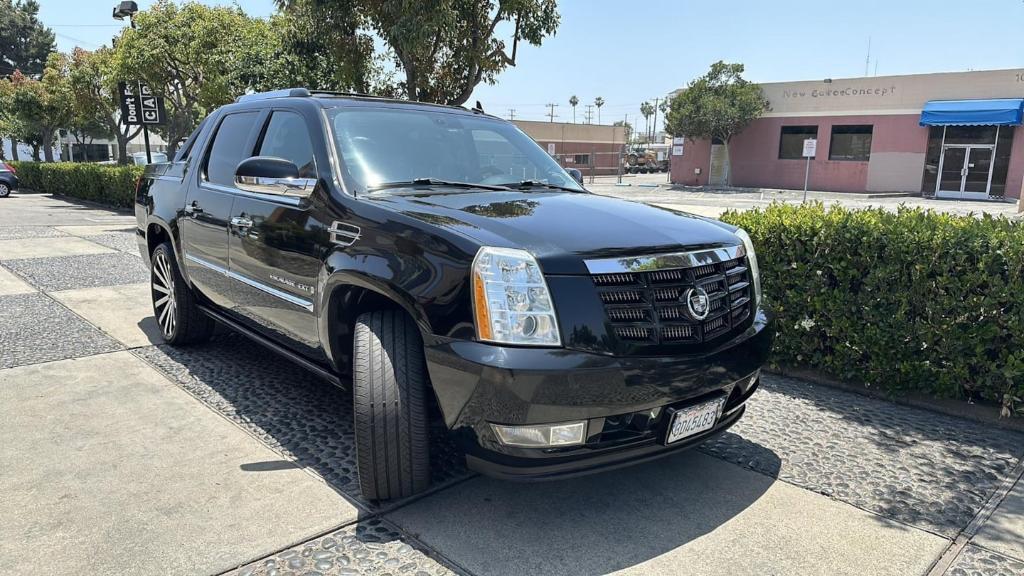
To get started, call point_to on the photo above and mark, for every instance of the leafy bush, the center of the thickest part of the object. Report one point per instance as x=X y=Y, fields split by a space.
x=102 y=183
x=906 y=301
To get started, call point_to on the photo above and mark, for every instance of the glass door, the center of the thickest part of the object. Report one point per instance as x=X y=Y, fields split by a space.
x=977 y=173
x=951 y=172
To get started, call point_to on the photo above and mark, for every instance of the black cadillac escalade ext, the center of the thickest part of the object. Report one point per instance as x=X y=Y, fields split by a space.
x=440 y=263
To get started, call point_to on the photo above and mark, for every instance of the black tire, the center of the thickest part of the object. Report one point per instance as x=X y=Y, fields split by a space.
x=391 y=410
x=5 y=190
x=174 y=305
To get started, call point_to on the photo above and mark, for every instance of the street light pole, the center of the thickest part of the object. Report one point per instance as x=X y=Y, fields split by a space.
x=130 y=9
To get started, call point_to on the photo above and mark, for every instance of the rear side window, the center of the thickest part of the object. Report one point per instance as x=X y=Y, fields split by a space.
x=185 y=150
x=287 y=137
x=228 y=148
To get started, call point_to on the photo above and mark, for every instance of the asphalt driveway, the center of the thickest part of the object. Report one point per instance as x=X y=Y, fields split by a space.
x=119 y=454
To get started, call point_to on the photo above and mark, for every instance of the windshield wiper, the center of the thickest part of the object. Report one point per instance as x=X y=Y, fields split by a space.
x=434 y=182
x=524 y=184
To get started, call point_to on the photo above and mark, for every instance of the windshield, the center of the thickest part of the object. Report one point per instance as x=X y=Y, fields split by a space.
x=380 y=146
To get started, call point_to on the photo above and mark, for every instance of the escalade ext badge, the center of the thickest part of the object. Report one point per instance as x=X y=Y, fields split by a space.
x=664 y=320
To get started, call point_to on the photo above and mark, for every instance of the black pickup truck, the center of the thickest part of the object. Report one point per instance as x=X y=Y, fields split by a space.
x=444 y=267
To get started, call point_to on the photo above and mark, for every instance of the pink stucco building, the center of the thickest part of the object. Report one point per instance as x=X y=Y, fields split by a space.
x=947 y=135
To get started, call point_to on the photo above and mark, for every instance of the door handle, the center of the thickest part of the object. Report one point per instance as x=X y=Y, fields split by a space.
x=241 y=222
x=193 y=208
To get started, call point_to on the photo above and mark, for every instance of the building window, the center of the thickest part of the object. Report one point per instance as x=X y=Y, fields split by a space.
x=581 y=159
x=791 y=142
x=850 y=143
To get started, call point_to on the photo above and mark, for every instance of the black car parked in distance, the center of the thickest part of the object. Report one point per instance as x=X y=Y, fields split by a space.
x=440 y=263
x=8 y=179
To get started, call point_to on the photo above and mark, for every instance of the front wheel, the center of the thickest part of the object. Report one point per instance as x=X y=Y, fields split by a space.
x=391 y=408
x=5 y=190
x=174 y=306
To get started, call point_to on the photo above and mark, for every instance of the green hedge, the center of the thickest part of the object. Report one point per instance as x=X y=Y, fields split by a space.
x=103 y=183
x=906 y=301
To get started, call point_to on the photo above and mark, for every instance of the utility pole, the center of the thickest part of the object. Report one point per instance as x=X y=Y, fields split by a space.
x=867 y=61
x=511 y=113
x=588 y=114
x=551 y=111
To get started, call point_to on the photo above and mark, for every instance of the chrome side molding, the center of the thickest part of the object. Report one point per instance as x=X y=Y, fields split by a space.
x=291 y=299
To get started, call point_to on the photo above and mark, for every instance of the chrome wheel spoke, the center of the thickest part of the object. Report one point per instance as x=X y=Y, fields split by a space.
x=162 y=301
x=161 y=288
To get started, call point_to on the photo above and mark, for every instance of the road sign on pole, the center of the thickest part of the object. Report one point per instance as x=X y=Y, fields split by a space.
x=810 y=150
x=141 y=108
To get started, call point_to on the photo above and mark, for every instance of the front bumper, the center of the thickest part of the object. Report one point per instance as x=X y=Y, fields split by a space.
x=479 y=384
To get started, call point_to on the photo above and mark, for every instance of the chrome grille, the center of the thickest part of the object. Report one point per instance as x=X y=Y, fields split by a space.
x=644 y=308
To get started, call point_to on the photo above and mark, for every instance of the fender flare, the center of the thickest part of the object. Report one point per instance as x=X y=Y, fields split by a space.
x=332 y=286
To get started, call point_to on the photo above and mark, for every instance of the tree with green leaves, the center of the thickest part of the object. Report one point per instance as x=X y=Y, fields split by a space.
x=719 y=104
x=442 y=49
x=627 y=131
x=24 y=42
x=42 y=107
x=197 y=58
x=574 y=101
x=94 y=81
x=24 y=46
x=598 y=102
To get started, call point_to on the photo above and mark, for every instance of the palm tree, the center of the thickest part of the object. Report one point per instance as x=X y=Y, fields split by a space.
x=598 y=102
x=647 y=109
x=573 y=101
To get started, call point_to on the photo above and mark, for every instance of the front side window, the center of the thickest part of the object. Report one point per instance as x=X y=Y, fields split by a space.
x=287 y=137
x=228 y=148
x=850 y=143
x=791 y=141
x=379 y=146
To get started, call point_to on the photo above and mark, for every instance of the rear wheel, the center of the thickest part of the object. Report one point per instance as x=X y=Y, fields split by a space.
x=391 y=408
x=174 y=306
x=5 y=190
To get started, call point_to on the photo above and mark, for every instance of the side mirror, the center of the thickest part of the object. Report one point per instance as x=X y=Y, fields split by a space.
x=576 y=174
x=270 y=175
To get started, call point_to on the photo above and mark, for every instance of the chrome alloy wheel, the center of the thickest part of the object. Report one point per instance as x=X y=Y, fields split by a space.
x=164 y=305
x=4 y=190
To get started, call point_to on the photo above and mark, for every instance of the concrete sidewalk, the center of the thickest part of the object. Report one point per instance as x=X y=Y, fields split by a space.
x=122 y=455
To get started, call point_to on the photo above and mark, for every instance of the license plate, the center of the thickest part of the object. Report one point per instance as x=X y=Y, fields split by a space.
x=694 y=420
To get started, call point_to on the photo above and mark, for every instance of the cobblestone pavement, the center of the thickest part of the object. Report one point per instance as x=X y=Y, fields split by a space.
x=368 y=547
x=927 y=471
x=34 y=328
x=976 y=561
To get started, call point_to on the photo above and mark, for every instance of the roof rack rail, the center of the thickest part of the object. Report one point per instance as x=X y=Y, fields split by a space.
x=285 y=93
x=341 y=93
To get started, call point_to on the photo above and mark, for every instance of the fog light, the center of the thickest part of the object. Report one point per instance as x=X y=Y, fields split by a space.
x=542 y=435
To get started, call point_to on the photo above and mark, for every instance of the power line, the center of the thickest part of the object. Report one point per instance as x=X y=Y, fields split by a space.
x=551 y=111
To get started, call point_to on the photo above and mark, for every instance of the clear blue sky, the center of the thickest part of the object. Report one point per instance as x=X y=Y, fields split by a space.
x=604 y=49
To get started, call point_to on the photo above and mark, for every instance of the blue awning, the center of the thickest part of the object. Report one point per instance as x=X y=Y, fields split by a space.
x=994 y=112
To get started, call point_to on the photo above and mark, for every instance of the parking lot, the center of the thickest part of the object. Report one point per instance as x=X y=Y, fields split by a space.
x=123 y=455
x=655 y=189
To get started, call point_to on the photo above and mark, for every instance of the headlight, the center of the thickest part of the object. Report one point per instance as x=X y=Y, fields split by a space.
x=511 y=301
x=755 y=274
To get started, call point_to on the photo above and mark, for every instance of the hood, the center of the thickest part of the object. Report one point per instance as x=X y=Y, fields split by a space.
x=561 y=229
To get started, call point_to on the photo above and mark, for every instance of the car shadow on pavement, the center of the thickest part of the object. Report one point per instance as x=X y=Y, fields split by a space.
x=289 y=409
x=594 y=524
